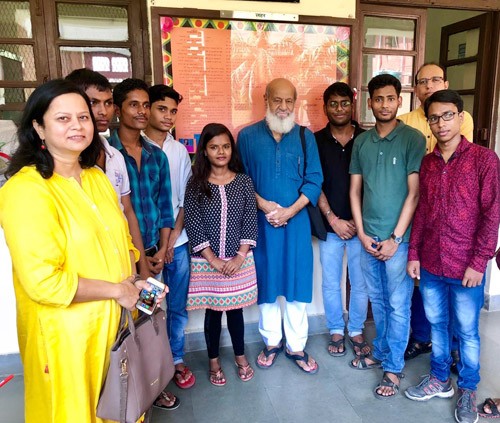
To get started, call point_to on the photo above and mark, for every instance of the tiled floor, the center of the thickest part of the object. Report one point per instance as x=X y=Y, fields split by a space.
x=285 y=394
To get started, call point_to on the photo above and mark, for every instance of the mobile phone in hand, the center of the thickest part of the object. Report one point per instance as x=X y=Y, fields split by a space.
x=147 y=299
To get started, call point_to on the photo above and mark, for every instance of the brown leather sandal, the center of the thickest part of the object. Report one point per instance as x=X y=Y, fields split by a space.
x=245 y=371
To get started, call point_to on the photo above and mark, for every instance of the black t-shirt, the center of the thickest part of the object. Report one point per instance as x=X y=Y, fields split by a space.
x=335 y=160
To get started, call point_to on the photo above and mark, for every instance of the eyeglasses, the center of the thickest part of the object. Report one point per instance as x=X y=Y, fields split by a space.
x=434 y=80
x=344 y=104
x=446 y=116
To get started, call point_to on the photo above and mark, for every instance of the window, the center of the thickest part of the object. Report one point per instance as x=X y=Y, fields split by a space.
x=45 y=39
x=391 y=42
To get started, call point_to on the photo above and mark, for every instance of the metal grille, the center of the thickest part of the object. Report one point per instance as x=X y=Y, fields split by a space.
x=14 y=95
x=90 y=22
x=17 y=63
x=15 y=19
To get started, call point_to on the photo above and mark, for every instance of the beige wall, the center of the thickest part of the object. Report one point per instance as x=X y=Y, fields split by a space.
x=339 y=9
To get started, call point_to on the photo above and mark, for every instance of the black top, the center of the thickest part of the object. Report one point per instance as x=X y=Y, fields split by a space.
x=223 y=222
x=335 y=161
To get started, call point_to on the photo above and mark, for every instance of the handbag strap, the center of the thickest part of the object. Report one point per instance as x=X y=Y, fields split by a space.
x=303 y=142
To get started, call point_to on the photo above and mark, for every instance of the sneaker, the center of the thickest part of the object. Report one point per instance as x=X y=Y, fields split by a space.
x=466 y=410
x=430 y=387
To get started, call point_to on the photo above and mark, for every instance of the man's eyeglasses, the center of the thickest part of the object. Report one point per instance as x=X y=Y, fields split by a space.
x=434 y=80
x=446 y=116
x=344 y=104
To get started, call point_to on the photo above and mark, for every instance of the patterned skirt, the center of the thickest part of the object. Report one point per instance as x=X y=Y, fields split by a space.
x=208 y=288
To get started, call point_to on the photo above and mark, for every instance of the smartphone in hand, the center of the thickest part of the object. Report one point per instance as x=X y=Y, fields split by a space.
x=147 y=299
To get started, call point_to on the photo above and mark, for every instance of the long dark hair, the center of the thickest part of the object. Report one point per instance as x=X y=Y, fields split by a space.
x=202 y=167
x=29 y=151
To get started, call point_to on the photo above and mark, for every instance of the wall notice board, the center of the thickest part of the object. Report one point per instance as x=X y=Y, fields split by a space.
x=221 y=68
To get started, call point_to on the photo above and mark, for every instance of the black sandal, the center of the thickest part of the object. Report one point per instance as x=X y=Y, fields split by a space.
x=337 y=344
x=386 y=382
x=267 y=352
x=363 y=365
x=360 y=346
x=495 y=414
x=164 y=395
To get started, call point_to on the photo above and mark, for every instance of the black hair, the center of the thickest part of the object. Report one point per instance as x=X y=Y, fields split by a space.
x=202 y=167
x=86 y=78
x=444 y=96
x=160 y=92
x=30 y=150
x=127 y=85
x=383 y=80
x=338 y=88
x=429 y=64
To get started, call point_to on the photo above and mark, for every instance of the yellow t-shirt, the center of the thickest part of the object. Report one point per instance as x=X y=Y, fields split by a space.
x=56 y=231
x=417 y=120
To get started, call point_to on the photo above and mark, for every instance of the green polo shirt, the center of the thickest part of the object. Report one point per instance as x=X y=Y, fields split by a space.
x=384 y=164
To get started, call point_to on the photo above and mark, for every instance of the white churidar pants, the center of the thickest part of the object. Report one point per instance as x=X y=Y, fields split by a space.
x=294 y=322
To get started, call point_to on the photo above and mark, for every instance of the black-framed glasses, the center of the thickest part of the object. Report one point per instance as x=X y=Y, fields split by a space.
x=434 y=80
x=446 y=116
x=335 y=104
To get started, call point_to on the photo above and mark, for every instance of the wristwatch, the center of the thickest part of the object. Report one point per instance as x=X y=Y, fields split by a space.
x=397 y=239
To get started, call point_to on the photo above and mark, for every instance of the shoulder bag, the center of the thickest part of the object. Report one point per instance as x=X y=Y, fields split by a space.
x=141 y=366
x=317 y=225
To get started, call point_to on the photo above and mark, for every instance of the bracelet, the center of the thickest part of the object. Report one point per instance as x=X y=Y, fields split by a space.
x=241 y=254
x=137 y=277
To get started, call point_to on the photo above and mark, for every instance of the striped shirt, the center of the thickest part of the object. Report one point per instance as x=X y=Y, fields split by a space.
x=151 y=193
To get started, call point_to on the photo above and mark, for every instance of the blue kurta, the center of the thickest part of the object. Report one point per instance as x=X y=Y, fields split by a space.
x=283 y=256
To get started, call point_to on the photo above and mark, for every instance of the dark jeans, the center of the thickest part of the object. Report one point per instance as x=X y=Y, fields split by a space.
x=236 y=328
x=420 y=326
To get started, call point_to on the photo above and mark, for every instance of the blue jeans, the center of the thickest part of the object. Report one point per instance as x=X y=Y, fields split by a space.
x=176 y=277
x=331 y=255
x=389 y=289
x=447 y=301
x=420 y=326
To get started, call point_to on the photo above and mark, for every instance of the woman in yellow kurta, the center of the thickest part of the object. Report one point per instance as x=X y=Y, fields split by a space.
x=71 y=252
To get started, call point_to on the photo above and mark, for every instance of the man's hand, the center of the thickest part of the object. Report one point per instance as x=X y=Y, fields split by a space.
x=345 y=229
x=386 y=249
x=369 y=244
x=156 y=263
x=413 y=269
x=280 y=216
x=472 y=278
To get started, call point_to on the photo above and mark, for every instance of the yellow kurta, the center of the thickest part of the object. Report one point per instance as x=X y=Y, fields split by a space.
x=416 y=119
x=58 y=230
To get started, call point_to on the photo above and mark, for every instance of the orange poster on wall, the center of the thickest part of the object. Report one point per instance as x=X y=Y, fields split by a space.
x=222 y=67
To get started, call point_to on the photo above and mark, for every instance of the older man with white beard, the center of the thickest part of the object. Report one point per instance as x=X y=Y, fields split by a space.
x=286 y=179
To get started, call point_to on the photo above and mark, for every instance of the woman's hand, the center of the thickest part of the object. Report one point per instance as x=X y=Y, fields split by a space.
x=128 y=293
x=217 y=264
x=142 y=284
x=232 y=266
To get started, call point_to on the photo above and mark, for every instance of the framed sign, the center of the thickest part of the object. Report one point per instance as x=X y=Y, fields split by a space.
x=221 y=68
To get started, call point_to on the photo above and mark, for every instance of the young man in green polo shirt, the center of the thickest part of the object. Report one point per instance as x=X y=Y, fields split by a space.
x=384 y=193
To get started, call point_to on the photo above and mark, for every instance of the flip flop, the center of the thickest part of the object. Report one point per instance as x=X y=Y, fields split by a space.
x=495 y=414
x=164 y=395
x=337 y=344
x=363 y=365
x=359 y=345
x=187 y=383
x=276 y=351
x=305 y=358
x=389 y=383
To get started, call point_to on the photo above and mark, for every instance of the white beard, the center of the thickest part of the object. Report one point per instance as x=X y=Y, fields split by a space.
x=281 y=126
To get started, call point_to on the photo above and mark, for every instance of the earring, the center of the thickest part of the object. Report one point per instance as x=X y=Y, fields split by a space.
x=43 y=146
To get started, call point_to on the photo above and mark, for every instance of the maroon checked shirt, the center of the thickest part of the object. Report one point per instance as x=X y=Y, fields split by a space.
x=458 y=214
